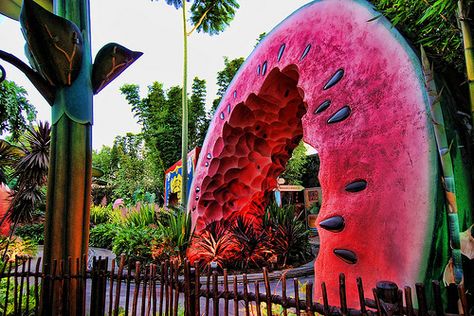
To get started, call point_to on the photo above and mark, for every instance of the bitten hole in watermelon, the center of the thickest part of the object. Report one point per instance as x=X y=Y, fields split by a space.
x=260 y=135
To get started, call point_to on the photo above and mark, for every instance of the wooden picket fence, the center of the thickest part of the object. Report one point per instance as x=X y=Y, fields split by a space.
x=170 y=289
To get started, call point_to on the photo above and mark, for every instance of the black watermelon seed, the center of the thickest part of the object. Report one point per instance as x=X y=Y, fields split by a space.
x=208 y=156
x=197 y=197
x=206 y=164
x=264 y=68
x=198 y=189
x=287 y=92
x=323 y=106
x=222 y=115
x=340 y=115
x=356 y=186
x=334 y=79
x=228 y=108
x=334 y=224
x=258 y=70
x=346 y=255
x=280 y=51
x=235 y=94
x=305 y=52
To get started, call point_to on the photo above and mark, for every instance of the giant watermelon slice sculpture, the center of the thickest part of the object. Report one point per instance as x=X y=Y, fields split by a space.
x=341 y=77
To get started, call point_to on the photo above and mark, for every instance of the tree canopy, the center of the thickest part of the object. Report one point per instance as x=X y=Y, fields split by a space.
x=160 y=116
x=16 y=112
x=225 y=76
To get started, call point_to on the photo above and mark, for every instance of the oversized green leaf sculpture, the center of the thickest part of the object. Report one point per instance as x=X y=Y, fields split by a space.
x=110 y=62
x=55 y=44
x=58 y=48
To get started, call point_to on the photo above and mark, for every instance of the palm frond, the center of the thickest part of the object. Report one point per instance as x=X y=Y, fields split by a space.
x=9 y=154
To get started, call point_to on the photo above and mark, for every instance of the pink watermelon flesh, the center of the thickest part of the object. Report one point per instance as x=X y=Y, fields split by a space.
x=4 y=205
x=353 y=89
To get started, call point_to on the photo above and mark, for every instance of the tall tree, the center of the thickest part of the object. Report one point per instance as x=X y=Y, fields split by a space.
x=160 y=117
x=16 y=112
x=208 y=16
x=296 y=166
x=198 y=120
x=225 y=76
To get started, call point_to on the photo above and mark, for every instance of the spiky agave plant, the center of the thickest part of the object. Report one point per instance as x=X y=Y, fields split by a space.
x=252 y=243
x=216 y=244
x=31 y=172
x=177 y=232
x=287 y=234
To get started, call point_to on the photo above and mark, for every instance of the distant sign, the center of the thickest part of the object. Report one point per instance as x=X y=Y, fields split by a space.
x=288 y=188
x=311 y=196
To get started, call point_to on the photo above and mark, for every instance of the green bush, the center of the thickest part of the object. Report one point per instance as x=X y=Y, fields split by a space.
x=10 y=306
x=16 y=247
x=287 y=234
x=34 y=232
x=142 y=215
x=136 y=242
x=100 y=214
x=175 y=227
x=102 y=236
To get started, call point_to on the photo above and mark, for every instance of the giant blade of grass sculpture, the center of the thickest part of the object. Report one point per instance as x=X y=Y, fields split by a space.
x=446 y=165
x=468 y=51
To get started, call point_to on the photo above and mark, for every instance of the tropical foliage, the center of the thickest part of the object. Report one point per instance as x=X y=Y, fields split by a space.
x=25 y=166
x=160 y=117
x=143 y=232
x=31 y=172
x=33 y=232
x=16 y=112
x=225 y=76
x=296 y=166
x=431 y=23
x=281 y=239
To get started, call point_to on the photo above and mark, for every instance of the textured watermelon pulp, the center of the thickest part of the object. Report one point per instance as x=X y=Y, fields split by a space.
x=354 y=88
x=4 y=205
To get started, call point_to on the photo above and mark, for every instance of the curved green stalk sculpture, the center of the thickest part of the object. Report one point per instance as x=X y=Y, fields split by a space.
x=62 y=70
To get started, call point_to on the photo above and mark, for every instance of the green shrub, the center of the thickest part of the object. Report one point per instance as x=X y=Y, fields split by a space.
x=287 y=234
x=253 y=248
x=34 y=232
x=16 y=246
x=100 y=214
x=176 y=230
x=141 y=215
x=10 y=306
x=136 y=242
x=102 y=236
x=216 y=244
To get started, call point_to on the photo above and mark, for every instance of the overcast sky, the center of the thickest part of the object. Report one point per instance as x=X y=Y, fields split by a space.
x=155 y=29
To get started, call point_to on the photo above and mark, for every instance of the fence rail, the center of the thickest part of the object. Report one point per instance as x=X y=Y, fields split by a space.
x=170 y=289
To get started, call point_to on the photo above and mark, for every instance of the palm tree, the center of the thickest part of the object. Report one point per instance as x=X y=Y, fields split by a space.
x=30 y=162
x=212 y=17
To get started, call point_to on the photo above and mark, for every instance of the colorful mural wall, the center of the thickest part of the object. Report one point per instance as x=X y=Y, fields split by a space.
x=173 y=178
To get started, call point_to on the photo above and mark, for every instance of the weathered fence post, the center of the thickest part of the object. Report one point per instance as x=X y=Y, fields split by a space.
x=189 y=280
x=98 y=287
x=388 y=294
